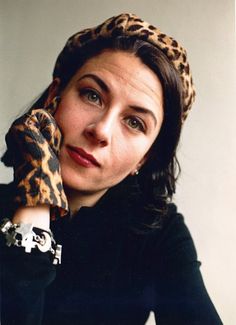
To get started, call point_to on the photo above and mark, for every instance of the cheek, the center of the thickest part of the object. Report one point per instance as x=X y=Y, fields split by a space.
x=127 y=155
x=69 y=120
x=62 y=118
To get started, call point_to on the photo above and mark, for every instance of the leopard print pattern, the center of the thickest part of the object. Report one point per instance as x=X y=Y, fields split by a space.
x=34 y=142
x=131 y=25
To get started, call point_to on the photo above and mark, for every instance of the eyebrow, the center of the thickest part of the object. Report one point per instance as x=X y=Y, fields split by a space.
x=99 y=81
x=104 y=87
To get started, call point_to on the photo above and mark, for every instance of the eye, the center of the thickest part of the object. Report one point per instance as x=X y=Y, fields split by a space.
x=91 y=96
x=135 y=123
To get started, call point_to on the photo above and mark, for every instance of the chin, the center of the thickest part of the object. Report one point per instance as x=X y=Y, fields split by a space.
x=74 y=181
x=71 y=182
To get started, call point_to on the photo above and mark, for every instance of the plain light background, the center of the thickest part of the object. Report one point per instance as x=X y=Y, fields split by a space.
x=33 y=32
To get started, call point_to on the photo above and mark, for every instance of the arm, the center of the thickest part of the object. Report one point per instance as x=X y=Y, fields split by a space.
x=24 y=276
x=39 y=216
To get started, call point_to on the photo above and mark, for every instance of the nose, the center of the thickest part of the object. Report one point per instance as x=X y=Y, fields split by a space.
x=100 y=131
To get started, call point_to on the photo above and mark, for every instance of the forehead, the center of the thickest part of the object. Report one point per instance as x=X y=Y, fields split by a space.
x=122 y=68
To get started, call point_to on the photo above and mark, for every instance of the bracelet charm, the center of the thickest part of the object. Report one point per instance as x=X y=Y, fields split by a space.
x=25 y=235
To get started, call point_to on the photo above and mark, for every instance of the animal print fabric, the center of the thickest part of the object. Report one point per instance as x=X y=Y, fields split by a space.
x=34 y=142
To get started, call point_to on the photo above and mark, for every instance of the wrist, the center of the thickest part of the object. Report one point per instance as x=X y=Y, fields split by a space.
x=30 y=238
x=39 y=216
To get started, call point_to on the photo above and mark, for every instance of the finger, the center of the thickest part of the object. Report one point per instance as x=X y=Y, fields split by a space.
x=51 y=108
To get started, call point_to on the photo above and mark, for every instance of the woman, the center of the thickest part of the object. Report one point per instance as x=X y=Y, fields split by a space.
x=97 y=166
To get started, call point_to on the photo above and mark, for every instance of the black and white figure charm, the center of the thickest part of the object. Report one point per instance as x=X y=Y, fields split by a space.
x=25 y=235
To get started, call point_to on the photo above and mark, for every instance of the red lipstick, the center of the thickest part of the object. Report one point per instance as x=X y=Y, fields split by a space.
x=81 y=157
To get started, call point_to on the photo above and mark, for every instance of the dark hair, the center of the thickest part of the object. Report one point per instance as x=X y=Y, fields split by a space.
x=157 y=178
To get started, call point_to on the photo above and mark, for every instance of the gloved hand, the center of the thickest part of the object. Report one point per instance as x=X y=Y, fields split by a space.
x=33 y=142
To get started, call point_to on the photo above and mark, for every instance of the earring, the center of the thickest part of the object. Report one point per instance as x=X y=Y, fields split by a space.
x=136 y=172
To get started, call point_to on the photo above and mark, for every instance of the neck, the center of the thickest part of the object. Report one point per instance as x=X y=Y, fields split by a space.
x=78 y=199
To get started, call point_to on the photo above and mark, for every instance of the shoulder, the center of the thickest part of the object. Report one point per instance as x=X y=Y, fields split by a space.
x=177 y=236
x=174 y=225
x=5 y=189
x=173 y=244
x=7 y=206
x=170 y=242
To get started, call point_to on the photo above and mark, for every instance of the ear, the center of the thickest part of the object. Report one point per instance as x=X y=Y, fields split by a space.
x=53 y=91
x=140 y=164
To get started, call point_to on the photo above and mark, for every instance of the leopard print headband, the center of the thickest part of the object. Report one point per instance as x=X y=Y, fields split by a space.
x=131 y=25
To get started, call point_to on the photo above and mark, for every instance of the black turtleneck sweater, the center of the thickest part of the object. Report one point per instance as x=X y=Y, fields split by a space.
x=113 y=271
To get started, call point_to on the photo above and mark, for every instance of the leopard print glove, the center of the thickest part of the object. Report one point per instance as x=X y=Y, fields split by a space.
x=34 y=142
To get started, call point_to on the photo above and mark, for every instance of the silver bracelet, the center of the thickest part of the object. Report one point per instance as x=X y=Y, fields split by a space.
x=29 y=237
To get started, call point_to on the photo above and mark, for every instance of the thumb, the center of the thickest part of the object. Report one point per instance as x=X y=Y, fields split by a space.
x=52 y=106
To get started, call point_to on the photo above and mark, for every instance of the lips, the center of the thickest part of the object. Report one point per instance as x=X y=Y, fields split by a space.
x=81 y=157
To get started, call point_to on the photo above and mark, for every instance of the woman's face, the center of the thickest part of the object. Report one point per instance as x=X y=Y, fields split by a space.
x=110 y=114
